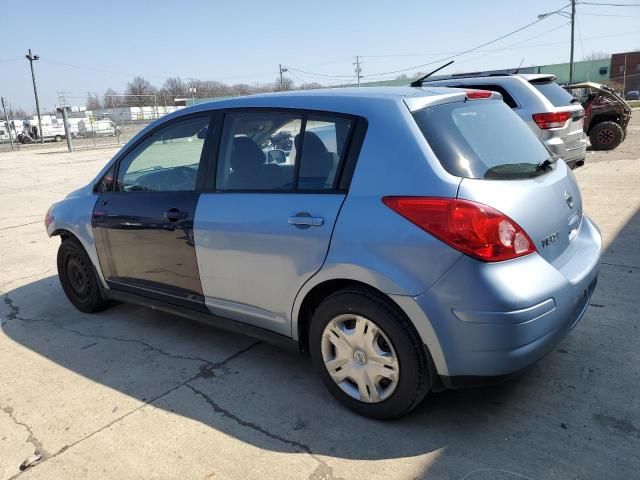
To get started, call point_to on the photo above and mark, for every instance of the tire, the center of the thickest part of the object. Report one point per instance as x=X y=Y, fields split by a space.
x=396 y=339
x=78 y=277
x=606 y=136
x=57 y=138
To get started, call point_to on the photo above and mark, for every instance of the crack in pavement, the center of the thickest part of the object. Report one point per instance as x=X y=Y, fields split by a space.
x=150 y=402
x=618 y=265
x=21 y=225
x=322 y=472
x=205 y=370
x=15 y=315
x=32 y=439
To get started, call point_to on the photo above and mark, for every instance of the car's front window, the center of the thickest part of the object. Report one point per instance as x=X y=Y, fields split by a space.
x=166 y=161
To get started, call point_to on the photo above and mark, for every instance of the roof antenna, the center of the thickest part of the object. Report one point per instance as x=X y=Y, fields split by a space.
x=418 y=82
x=518 y=69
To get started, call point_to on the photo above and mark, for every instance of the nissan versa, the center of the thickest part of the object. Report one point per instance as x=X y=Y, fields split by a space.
x=410 y=239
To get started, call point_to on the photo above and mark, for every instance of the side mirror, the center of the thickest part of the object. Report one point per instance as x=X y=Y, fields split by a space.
x=276 y=156
x=202 y=133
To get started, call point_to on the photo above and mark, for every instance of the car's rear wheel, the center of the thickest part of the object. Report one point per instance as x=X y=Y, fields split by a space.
x=606 y=136
x=58 y=138
x=368 y=354
x=78 y=277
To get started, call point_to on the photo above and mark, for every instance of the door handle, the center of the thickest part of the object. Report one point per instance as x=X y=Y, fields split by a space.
x=305 y=220
x=173 y=215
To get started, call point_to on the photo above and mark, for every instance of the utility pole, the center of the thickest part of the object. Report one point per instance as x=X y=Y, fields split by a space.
x=31 y=57
x=573 y=24
x=8 y=124
x=282 y=69
x=358 y=69
x=624 y=77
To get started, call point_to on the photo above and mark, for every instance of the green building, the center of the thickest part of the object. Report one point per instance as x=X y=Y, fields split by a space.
x=597 y=71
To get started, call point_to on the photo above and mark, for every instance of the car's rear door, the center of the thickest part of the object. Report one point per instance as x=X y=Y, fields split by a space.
x=143 y=219
x=266 y=228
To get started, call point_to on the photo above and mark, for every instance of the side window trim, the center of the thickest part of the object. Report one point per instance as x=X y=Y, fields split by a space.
x=347 y=161
x=203 y=155
x=355 y=142
x=296 y=165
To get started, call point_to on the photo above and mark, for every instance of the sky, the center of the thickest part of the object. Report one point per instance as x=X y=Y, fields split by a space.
x=87 y=46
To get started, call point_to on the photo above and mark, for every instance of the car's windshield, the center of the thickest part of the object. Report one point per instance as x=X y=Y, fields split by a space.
x=482 y=139
x=557 y=95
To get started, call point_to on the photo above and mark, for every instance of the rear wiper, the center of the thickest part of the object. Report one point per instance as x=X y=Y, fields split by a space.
x=548 y=162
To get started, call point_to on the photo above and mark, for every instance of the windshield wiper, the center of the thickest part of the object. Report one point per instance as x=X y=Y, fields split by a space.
x=147 y=169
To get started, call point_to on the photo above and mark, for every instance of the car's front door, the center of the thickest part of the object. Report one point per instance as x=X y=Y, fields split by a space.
x=267 y=227
x=143 y=222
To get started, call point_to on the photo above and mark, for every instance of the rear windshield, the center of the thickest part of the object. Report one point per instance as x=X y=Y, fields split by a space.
x=557 y=95
x=482 y=139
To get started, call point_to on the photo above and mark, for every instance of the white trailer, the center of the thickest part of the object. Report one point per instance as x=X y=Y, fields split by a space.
x=90 y=127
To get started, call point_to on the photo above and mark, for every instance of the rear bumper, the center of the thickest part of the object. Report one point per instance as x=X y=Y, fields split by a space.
x=573 y=153
x=496 y=319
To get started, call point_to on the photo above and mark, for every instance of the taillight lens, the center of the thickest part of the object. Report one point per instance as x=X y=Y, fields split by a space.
x=472 y=228
x=48 y=217
x=551 y=119
x=477 y=94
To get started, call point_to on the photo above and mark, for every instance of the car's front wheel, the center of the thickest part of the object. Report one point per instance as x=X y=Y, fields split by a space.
x=79 y=279
x=368 y=354
x=606 y=136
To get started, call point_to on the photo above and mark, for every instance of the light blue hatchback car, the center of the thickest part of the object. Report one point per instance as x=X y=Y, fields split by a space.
x=409 y=239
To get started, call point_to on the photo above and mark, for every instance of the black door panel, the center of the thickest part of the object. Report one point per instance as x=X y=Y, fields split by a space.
x=145 y=243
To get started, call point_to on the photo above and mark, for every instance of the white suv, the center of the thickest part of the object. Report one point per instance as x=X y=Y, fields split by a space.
x=551 y=112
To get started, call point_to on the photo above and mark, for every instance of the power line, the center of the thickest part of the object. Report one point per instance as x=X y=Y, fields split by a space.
x=611 y=4
x=547 y=44
x=608 y=15
x=318 y=74
x=470 y=49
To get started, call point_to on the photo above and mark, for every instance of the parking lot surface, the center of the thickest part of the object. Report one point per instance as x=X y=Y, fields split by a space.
x=133 y=393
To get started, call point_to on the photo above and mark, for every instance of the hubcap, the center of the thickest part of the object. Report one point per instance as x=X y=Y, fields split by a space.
x=360 y=358
x=77 y=276
x=605 y=136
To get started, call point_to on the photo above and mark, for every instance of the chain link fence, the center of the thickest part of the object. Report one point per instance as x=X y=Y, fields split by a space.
x=109 y=126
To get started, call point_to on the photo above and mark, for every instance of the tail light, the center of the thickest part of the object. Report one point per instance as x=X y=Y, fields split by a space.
x=477 y=94
x=48 y=217
x=551 y=119
x=472 y=228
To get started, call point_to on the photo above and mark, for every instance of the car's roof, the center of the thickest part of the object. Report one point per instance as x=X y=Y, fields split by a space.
x=345 y=92
x=529 y=77
x=349 y=100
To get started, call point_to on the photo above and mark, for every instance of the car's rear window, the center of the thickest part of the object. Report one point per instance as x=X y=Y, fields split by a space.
x=482 y=139
x=557 y=95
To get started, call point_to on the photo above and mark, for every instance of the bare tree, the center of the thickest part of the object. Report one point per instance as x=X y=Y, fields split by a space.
x=241 y=89
x=18 y=113
x=402 y=77
x=287 y=84
x=93 y=102
x=112 y=99
x=596 y=56
x=174 y=86
x=310 y=86
x=143 y=91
